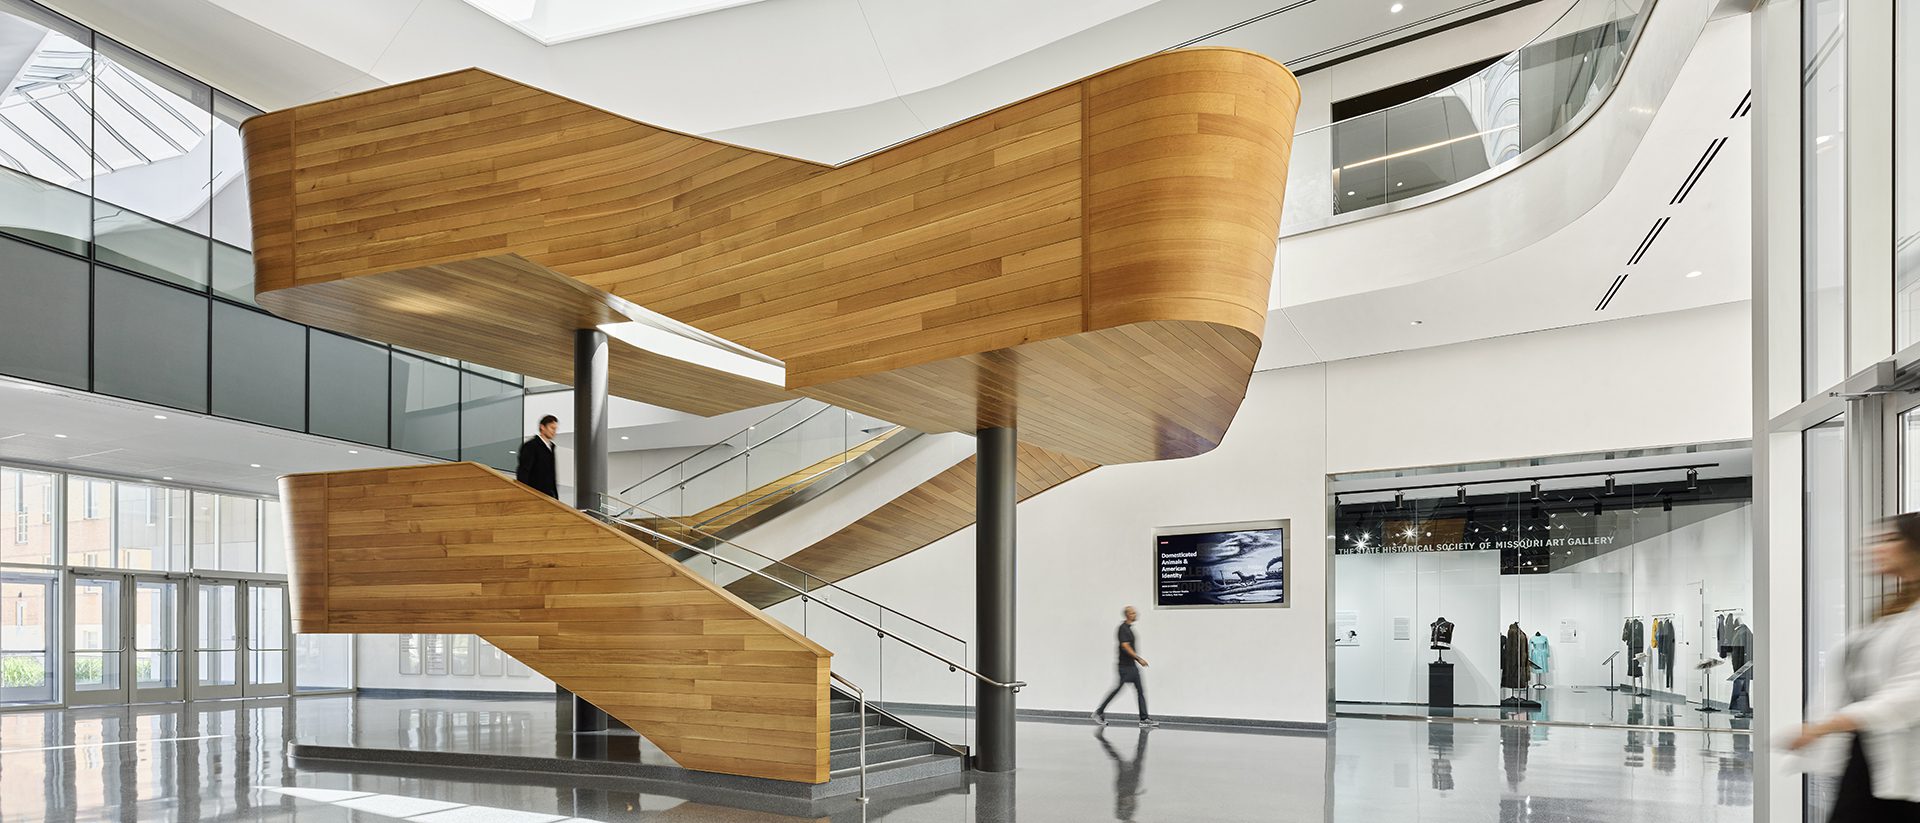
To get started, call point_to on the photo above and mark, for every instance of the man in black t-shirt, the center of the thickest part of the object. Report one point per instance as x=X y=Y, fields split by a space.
x=1129 y=663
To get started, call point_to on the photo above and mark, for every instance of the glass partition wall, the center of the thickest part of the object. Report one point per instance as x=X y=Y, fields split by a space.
x=117 y=591
x=125 y=258
x=1618 y=599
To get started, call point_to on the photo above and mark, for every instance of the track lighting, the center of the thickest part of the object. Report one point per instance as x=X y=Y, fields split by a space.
x=1399 y=500
x=1536 y=490
x=1461 y=495
x=1610 y=487
x=1693 y=479
x=1666 y=504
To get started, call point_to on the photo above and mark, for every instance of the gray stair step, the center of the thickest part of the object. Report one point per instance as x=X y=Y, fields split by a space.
x=851 y=720
x=880 y=753
x=841 y=705
x=875 y=734
x=844 y=781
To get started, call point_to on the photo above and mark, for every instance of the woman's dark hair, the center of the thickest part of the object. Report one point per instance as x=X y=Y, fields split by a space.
x=1906 y=529
x=549 y=419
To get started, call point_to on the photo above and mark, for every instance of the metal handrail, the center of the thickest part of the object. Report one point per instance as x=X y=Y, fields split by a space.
x=794 y=485
x=732 y=457
x=683 y=461
x=783 y=564
x=952 y=666
x=861 y=695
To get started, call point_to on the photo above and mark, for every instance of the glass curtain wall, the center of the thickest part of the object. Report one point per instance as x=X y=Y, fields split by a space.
x=125 y=255
x=123 y=550
x=1584 y=601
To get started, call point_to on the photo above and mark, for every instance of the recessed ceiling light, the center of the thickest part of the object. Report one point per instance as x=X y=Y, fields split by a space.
x=61 y=436
x=255 y=465
x=1419 y=323
x=1693 y=274
x=1349 y=194
x=624 y=437
x=159 y=417
x=1399 y=184
x=353 y=451
x=166 y=478
x=1397 y=7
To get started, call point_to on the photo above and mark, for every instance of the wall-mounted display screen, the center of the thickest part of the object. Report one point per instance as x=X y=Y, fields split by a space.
x=1237 y=565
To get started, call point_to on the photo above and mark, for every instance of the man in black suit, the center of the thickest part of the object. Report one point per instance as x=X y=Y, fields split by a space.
x=536 y=459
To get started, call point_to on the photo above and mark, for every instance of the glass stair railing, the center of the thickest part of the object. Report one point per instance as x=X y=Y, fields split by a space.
x=802 y=446
x=858 y=630
x=1469 y=132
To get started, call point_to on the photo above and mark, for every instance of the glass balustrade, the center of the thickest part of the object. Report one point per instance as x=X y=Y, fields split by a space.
x=1525 y=100
x=775 y=456
x=901 y=662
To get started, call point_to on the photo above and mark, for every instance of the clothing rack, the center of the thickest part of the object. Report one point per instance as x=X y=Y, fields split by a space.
x=1728 y=611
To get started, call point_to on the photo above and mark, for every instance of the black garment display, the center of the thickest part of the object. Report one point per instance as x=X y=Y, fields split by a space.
x=1664 y=639
x=536 y=468
x=1514 y=669
x=1442 y=634
x=1634 y=634
x=1739 y=645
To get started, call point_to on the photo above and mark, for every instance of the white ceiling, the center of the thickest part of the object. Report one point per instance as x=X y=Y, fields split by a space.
x=1558 y=281
x=922 y=63
x=122 y=438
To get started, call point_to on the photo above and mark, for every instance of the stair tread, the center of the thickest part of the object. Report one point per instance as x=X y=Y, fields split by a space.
x=904 y=763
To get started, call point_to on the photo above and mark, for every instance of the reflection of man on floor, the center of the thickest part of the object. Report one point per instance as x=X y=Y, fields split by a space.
x=1126 y=776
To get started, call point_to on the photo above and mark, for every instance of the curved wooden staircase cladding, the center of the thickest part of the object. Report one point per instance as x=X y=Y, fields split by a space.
x=459 y=549
x=1092 y=264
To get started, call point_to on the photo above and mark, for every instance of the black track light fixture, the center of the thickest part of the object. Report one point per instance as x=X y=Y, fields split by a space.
x=1693 y=479
x=1610 y=486
x=1536 y=490
x=1461 y=495
x=1399 y=500
x=1666 y=504
x=1598 y=508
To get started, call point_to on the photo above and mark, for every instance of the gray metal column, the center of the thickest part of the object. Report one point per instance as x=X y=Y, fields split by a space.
x=994 y=594
x=589 y=479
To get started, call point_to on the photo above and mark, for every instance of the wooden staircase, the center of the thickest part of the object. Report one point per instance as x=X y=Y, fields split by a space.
x=459 y=549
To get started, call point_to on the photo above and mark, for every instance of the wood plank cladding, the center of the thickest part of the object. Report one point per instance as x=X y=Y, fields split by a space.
x=930 y=511
x=1092 y=263
x=459 y=549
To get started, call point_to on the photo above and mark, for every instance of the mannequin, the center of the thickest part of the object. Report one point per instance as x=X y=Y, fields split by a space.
x=1442 y=634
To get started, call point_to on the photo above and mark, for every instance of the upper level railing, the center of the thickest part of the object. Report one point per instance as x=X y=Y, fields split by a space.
x=793 y=438
x=1470 y=132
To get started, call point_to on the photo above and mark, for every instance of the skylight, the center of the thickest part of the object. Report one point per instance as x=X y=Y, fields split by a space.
x=557 y=21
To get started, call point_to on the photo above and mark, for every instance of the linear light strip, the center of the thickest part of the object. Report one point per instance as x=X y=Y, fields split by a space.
x=1449 y=142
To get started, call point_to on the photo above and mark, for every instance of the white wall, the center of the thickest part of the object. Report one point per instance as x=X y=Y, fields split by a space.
x=378 y=667
x=1084 y=546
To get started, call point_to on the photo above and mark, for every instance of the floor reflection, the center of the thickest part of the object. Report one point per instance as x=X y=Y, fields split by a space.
x=227 y=761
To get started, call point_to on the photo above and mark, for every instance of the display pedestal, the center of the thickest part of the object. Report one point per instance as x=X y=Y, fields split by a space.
x=1440 y=685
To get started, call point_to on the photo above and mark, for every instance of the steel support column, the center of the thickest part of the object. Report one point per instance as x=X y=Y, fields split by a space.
x=994 y=595
x=589 y=479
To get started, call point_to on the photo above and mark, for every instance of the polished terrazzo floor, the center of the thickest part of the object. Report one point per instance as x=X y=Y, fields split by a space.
x=227 y=761
x=1577 y=705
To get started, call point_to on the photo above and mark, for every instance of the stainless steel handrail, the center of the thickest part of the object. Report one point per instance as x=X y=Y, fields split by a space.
x=861 y=695
x=795 y=484
x=822 y=584
x=805 y=596
x=739 y=454
x=683 y=461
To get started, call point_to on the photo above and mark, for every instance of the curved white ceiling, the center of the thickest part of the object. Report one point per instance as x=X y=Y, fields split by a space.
x=896 y=68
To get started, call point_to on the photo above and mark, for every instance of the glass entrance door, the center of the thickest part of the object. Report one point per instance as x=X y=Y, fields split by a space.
x=266 y=648
x=125 y=629
x=216 y=638
x=158 y=662
x=29 y=640
x=95 y=667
